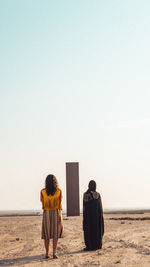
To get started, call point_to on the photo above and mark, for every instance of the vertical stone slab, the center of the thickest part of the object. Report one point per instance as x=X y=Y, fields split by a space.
x=72 y=188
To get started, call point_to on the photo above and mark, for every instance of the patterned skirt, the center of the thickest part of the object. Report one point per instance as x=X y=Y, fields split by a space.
x=50 y=224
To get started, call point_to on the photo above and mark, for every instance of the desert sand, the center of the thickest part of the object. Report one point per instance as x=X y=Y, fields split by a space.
x=126 y=242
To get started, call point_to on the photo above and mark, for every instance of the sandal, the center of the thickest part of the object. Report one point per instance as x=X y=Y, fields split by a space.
x=55 y=256
x=47 y=257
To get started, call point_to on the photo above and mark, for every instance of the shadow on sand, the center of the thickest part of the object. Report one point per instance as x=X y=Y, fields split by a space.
x=31 y=259
x=22 y=260
x=74 y=252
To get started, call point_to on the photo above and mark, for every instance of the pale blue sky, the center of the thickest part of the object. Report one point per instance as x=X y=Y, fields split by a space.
x=75 y=86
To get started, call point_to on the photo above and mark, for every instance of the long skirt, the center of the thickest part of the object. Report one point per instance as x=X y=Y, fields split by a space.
x=50 y=224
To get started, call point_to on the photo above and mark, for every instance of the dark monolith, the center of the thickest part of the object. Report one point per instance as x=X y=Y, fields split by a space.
x=72 y=188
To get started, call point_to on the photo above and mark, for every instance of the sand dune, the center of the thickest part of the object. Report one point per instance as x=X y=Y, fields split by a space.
x=126 y=242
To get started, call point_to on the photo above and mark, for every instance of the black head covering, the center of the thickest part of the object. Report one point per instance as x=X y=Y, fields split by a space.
x=92 y=185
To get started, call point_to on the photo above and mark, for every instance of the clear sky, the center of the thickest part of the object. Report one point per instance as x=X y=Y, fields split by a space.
x=75 y=86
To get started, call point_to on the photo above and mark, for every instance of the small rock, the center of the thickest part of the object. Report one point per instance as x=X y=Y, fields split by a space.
x=122 y=222
x=117 y=262
x=17 y=239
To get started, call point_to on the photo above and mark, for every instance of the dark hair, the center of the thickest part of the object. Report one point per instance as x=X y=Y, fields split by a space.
x=51 y=184
x=92 y=185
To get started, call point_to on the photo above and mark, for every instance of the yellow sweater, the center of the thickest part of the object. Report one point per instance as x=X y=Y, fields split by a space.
x=51 y=202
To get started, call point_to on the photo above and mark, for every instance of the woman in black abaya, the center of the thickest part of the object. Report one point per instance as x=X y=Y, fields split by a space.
x=93 y=222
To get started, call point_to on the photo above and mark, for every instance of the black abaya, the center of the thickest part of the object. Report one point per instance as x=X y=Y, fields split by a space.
x=93 y=222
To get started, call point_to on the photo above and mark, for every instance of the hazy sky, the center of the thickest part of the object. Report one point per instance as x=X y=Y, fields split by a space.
x=75 y=86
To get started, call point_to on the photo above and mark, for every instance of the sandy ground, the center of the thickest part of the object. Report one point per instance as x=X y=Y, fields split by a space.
x=125 y=243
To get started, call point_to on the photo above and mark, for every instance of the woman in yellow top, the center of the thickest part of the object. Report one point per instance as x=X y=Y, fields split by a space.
x=51 y=197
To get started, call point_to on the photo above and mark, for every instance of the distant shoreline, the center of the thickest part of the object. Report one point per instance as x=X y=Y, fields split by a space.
x=136 y=211
x=39 y=213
